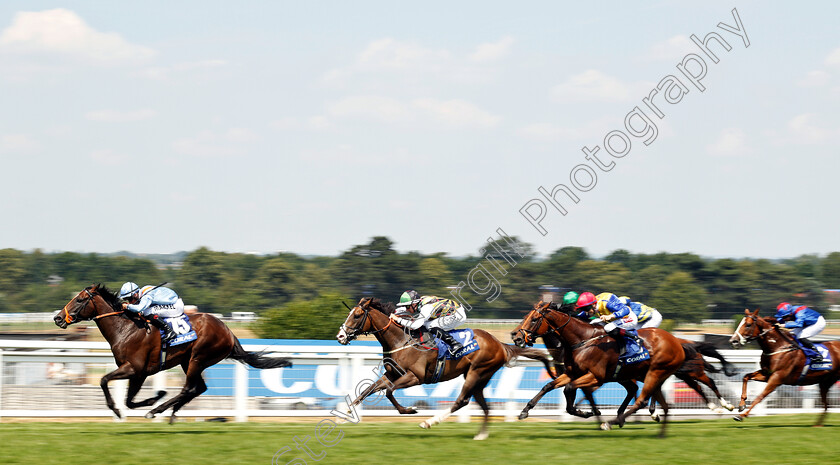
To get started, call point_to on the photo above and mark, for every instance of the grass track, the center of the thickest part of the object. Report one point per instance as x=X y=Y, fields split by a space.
x=770 y=440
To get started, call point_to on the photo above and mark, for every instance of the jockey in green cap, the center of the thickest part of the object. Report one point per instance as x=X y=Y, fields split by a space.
x=435 y=314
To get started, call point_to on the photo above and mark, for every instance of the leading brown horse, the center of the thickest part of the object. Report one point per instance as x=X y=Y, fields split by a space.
x=409 y=364
x=138 y=353
x=782 y=361
x=591 y=359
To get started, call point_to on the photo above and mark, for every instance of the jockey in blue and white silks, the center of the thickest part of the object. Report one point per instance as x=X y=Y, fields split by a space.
x=153 y=302
x=647 y=317
x=434 y=313
x=804 y=322
x=621 y=321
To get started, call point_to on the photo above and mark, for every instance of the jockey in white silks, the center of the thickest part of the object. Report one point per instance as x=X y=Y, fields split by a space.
x=154 y=303
x=435 y=314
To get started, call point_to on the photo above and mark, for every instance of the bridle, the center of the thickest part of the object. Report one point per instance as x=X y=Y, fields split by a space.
x=353 y=333
x=70 y=319
x=745 y=339
x=530 y=335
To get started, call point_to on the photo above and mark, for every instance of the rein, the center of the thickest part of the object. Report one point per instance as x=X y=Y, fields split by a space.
x=70 y=320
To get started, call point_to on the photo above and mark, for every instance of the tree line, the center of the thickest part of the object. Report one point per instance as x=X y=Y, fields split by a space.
x=683 y=286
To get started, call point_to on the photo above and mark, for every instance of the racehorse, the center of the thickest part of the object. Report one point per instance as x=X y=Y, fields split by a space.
x=408 y=363
x=693 y=371
x=782 y=361
x=138 y=353
x=591 y=359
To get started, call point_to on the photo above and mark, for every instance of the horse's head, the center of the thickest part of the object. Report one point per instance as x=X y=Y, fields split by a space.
x=750 y=328
x=534 y=325
x=358 y=321
x=85 y=305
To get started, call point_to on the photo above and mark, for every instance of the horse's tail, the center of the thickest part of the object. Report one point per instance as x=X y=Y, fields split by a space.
x=513 y=352
x=709 y=350
x=257 y=359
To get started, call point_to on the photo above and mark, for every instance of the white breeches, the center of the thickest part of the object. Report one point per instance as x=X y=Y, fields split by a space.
x=654 y=321
x=808 y=331
x=628 y=322
x=448 y=322
x=166 y=311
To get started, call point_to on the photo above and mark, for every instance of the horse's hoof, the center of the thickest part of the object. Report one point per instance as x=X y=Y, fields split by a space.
x=606 y=426
x=729 y=407
x=425 y=425
x=172 y=420
x=655 y=418
x=410 y=411
x=741 y=408
x=481 y=436
x=738 y=418
x=523 y=415
x=149 y=415
x=160 y=394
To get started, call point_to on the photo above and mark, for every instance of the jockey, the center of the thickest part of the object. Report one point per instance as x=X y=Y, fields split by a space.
x=648 y=317
x=435 y=314
x=153 y=302
x=804 y=322
x=619 y=317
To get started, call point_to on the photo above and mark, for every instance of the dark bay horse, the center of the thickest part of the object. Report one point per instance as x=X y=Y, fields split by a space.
x=591 y=359
x=782 y=361
x=693 y=371
x=138 y=354
x=407 y=364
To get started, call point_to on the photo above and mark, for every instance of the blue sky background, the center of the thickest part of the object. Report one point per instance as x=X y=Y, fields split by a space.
x=265 y=126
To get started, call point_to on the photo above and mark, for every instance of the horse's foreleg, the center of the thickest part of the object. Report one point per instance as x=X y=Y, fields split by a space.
x=632 y=389
x=774 y=381
x=653 y=382
x=478 y=395
x=390 y=385
x=124 y=371
x=754 y=376
x=560 y=381
x=691 y=382
x=571 y=408
x=134 y=385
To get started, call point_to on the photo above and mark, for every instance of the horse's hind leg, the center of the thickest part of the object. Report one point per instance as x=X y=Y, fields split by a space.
x=124 y=371
x=472 y=380
x=195 y=389
x=661 y=399
x=134 y=385
x=478 y=395
x=824 y=387
x=560 y=381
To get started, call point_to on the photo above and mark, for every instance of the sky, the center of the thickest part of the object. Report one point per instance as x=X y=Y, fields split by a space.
x=267 y=126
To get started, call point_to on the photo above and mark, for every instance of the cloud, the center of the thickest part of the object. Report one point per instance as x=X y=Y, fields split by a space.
x=160 y=73
x=814 y=79
x=833 y=58
x=803 y=129
x=549 y=132
x=18 y=143
x=108 y=157
x=63 y=32
x=311 y=123
x=412 y=60
x=453 y=113
x=114 y=116
x=208 y=144
x=674 y=48
x=492 y=51
x=732 y=142
x=591 y=85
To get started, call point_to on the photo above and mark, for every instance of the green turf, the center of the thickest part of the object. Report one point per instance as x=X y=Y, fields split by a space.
x=771 y=440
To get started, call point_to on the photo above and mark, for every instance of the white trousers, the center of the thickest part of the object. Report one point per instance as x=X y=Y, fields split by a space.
x=448 y=322
x=654 y=321
x=166 y=311
x=628 y=322
x=808 y=331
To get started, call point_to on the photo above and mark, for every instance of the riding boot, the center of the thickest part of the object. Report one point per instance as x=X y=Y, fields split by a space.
x=618 y=334
x=454 y=345
x=816 y=358
x=168 y=334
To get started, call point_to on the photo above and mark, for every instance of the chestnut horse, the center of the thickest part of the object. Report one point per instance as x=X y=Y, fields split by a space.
x=591 y=359
x=782 y=361
x=408 y=364
x=692 y=372
x=138 y=353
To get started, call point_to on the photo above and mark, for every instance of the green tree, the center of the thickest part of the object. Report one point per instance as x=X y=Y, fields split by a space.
x=598 y=276
x=680 y=298
x=434 y=277
x=316 y=318
x=830 y=270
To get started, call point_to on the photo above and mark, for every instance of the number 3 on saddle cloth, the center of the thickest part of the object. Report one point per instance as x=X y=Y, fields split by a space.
x=466 y=338
x=182 y=327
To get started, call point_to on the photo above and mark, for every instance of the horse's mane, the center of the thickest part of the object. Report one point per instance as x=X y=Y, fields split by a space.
x=568 y=309
x=386 y=308
x=108 y=296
